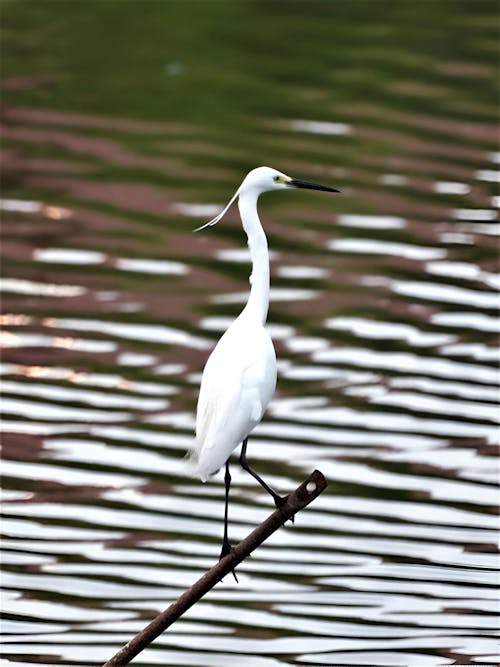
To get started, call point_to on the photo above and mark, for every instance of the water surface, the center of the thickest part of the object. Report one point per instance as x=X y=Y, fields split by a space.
x=125 y=127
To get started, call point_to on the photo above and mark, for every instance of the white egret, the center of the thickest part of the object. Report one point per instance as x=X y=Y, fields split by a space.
x=239 y=378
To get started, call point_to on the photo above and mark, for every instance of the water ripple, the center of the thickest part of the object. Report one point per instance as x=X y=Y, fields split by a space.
x=383 y=312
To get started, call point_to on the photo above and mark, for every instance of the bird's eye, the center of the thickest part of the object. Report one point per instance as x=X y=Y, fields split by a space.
x=276 y=179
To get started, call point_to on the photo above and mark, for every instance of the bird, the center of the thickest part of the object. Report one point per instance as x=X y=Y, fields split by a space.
x=239 y=378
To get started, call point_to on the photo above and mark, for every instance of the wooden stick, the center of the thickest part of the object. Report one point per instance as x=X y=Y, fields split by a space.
x=296 y=501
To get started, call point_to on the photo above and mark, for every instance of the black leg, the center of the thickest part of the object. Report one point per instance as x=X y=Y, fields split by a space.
x=279 y=501
x=226 y=546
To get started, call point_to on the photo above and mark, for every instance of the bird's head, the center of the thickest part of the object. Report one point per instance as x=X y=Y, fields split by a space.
x=264 y=179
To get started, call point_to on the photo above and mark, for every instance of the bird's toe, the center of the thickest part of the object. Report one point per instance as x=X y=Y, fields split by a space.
x=225 y=551
x=280 y=501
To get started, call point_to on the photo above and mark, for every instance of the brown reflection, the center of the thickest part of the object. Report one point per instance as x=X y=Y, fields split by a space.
x=102 y=149
x=55 y=117
x=21 y=446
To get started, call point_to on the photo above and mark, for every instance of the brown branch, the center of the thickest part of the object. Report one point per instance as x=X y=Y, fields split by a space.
x=296 y=501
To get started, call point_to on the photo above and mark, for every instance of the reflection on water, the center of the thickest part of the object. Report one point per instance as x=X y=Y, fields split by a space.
x=383 y=312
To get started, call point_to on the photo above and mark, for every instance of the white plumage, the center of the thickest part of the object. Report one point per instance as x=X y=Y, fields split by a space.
x=238 y=382
x=240 y=375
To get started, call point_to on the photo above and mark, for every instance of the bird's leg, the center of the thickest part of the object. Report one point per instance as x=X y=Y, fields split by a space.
x=279 y=501
x=226 y=546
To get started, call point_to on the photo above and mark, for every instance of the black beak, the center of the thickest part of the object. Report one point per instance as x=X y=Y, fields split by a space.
x=306 y=185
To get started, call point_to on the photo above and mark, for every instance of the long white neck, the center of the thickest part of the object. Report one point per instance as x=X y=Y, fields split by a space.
x=258 y=302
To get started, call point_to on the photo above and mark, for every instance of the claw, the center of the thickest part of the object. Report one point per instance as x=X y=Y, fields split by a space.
x=279 y=501
x=225 y=551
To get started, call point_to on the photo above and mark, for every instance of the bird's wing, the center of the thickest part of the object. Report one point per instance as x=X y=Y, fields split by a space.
x=220 y=396
x=237 y=384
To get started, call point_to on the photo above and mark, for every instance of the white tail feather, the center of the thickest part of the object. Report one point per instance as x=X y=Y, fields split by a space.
x=218 y=217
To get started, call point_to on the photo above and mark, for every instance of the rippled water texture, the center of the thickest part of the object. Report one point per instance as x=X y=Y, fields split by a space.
x=127 y=125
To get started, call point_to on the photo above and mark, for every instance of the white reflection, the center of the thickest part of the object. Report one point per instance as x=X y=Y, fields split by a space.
x=365 y=328
x=19 y=286
x=129 y=458
x=379 y=656
x=394 y=179
x=15 y=320
x=177 y=420
x=20 y=205
x=371 y=221
x=261 y=618
x=445 y=293
x=67 y=476
x=7 y=495
x=107 y=295
x=451 y=188
x=477 y=321
x=8 y=339
x=194 y=505
x=411 y=574
x=155 y=266
x=197 y=210
x=275 y=294
x=412 y=512
x=85 y=587
x=438 y=488
x=302 y=272
x=489 y=228
x=370 y=392
x=19 y=528
x=407 y=362
x=126 y=520
x=374 y=247
x=239 y=255
x=449 y=458
x=170 y=369
x=135 y=359
x=388 y=421
x=458 y=238
x=436 y=291
x=414 y=401
x=32 y=207
x=152 y=333
x=276 y=331
x=38 y=428
x=101 y=399
x=488 y=175
x=464 y=271
x=478 y=214
x=475 y=350
x=431 y=386
x=84 y=378
x=369 y=533
x=68 y=256
x=13 y=631
x=39 y=410
x=333 y=436
x=184 y=627
x=14 y=603
x=87 y=654
x=22 y=559
x=143 y=436
x=321 y=127
x=335 y=377
x=306 y=343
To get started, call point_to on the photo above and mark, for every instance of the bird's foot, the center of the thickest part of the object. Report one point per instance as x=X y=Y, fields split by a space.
x=225 y=551
x=280 y=501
